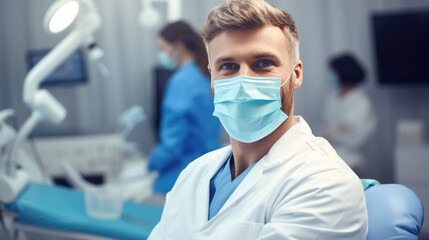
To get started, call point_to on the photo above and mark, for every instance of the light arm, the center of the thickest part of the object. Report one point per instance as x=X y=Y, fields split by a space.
x=51 y=61
x=43 y=104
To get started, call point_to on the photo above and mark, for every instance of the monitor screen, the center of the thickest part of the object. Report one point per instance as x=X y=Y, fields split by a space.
x=70 y=72
x=402 y=47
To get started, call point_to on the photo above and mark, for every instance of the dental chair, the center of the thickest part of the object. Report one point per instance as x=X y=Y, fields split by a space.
x=53 y=212
x=394 y=211
x=42 y=211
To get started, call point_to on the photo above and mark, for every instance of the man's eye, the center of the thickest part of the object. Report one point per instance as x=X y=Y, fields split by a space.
x=265 y=63
x=228 y=66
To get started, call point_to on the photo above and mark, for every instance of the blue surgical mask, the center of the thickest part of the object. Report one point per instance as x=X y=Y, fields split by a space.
x=166 y=62
x=333 y=79
x=249 y=107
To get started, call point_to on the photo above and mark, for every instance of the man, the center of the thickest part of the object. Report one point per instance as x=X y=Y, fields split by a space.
x=276 y=180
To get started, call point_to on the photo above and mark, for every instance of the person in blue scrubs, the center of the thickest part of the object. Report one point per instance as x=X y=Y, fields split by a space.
x=187 y=129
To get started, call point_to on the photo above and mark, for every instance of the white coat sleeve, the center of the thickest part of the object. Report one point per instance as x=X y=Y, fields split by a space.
x=325 y=206
x=158 y=233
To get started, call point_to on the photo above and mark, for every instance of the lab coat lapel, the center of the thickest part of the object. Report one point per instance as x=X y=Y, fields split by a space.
x=288 y=144
x=203 y=188
x=291 y=141
x=248 y=182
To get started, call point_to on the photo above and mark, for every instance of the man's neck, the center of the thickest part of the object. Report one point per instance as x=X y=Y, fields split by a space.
x=245 y=154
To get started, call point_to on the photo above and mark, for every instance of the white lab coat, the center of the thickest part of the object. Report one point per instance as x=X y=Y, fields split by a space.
x=300 y=190
x=354 y=112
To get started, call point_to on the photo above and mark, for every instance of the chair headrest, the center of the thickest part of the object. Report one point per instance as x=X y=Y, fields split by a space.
x=394 y=212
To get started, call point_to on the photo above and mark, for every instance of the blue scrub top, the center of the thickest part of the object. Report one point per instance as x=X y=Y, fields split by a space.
x=188 y=129
x=221 y=186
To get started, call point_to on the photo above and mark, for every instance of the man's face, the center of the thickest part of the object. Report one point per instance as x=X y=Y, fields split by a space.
x=260 y=52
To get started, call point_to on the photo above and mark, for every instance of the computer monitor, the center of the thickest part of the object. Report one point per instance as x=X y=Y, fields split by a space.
x=72 y=71
x=402 y=47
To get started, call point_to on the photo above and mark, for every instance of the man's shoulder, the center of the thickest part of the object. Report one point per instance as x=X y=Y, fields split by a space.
x=320 y=150
x=317 y=168
x=317 y=159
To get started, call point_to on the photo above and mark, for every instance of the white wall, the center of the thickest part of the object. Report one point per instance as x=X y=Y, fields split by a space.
x=4 y=99
x=325 y=28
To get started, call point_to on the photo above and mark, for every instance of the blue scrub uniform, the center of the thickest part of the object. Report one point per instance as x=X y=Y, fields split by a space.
x=222 y=186
x=188 y=129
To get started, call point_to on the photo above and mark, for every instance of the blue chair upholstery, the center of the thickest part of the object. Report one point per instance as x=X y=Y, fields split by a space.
x=394 y=212
x=59 y=208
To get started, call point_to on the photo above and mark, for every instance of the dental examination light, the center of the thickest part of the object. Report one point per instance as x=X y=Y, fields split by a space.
x=83 y=18
x=149 y=17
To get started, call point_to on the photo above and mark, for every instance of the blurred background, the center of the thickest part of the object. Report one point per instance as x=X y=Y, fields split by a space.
x=396 y=151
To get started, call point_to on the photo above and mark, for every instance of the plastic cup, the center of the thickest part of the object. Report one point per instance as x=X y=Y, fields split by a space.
x=104 y=202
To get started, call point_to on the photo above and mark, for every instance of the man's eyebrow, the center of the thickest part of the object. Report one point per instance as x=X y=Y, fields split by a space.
x=224 y=59
x=256 y=56
x=267 y=55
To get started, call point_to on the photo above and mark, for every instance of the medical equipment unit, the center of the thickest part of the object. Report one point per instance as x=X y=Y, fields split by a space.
x=35 y=210
x=46 y=107
x=49 y=212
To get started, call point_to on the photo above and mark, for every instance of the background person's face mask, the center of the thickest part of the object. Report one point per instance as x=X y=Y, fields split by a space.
x=166 y=62
x=333 y=79
x=249 y=107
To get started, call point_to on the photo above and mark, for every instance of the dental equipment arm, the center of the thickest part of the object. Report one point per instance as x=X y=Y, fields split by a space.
x=9 y=187
x=74 y=177
x=44 y=105
x=7 y=134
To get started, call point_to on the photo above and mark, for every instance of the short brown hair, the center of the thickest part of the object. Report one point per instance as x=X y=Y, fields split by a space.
x=249 y=14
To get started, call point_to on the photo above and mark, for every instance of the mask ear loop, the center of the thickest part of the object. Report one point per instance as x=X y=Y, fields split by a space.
x=290 y=74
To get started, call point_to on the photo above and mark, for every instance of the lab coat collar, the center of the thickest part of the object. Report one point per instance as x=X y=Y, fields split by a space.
x=288 y=144
x=203 y=189
x=222 y=156
x=291 y=141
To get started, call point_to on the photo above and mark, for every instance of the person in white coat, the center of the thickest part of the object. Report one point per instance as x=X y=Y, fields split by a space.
x=276 y=180
x=349 y=119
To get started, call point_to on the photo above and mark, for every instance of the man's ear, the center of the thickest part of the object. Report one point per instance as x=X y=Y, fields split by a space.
x=212 y=88
x=298 y=76
x=211 y=81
